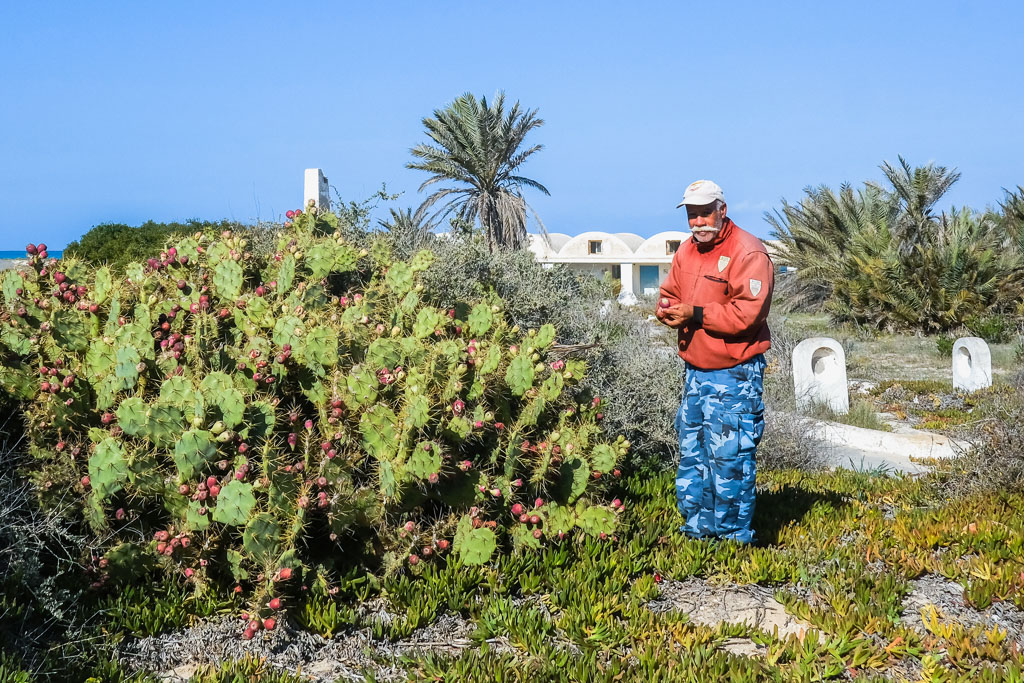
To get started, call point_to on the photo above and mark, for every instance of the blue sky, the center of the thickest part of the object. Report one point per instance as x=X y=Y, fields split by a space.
x=167 y=111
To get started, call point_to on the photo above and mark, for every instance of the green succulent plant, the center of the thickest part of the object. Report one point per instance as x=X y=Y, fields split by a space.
x=263 y=406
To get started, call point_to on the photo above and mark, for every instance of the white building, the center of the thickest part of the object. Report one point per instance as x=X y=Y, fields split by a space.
x=639 y=264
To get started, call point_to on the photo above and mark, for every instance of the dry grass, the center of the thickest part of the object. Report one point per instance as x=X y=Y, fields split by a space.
x=877 y=357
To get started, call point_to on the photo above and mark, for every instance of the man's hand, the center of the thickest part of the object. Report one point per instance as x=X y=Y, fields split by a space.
x=673 y=316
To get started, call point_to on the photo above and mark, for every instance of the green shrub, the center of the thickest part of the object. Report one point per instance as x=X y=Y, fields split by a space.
x=253 y=416
x=994 y=329
x=944 y=345
x=117 y=244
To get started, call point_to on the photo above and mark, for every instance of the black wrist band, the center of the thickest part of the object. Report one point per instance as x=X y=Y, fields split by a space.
x=698 y=316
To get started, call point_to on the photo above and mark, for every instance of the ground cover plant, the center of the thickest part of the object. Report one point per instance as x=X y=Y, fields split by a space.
x=849 y=556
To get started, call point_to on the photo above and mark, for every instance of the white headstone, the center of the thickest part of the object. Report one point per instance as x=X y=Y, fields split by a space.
x=819 y=374
x=316 y=188
x=972 y=364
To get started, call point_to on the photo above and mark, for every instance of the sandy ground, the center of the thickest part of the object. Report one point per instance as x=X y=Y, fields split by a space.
x=6 y=263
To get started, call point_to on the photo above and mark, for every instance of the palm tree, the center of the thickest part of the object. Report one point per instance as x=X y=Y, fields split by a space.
x=814 y=237
x=408 y=232
x=477 y=146
x=917 y=190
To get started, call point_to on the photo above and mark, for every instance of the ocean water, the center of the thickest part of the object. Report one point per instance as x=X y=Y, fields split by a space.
x=20 y=253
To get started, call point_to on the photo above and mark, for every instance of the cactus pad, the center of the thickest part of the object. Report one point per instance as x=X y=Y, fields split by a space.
x=163 y=423
x=363 y=386
x=227 y=279
x=545 y=336
x=193 y=519
x=558 y=518
x=520 y=374
x=418 y=411
x=596 y=520
x=424 y=460
x=399 y=278
x=321 y=347
x=176 y=391
x=102 y=285
x=131 y=416
x=259 y=540
x=288 y=330
x=232 y=406
x=474 y=546
x=12 y=282
x=551 y=388
x=108 y=469
x=379 y=427
x=573 y=476
x=602 y=458
x=126 y=369
x=234 y=504
x=192 y=452
x=422 y=260
x=320 y=260
x=286 y=273
x=480 y=320
x=69 y=331
x=427 y=321
x=383 y=353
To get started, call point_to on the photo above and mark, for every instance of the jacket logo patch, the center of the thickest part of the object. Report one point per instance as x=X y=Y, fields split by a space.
x=755 y=287
x=723 y=261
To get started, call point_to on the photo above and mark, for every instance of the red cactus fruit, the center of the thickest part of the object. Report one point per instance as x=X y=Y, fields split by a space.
x=269 y=623
x=275 y=603
x=414 y=559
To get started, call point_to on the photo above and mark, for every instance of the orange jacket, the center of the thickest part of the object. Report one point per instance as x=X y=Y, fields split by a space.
x=729 y=283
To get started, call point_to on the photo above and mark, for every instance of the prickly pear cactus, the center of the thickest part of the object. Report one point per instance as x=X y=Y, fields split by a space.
x=240 y=410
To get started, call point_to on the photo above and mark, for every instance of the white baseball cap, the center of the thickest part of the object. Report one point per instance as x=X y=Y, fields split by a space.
x=701 y=192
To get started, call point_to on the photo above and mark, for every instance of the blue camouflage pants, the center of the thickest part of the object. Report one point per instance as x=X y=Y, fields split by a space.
x=720 y=422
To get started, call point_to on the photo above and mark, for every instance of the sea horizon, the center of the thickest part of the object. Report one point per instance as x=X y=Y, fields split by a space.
x=17 y=254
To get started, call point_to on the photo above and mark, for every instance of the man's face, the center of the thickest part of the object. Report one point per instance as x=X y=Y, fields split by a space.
x=705 y=220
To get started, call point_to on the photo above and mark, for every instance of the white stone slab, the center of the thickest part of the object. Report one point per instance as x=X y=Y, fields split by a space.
x=316 y=188
x=819 y=374
x=972 y=364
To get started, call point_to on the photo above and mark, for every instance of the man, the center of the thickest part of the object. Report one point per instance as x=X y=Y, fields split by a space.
x=717 y=295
